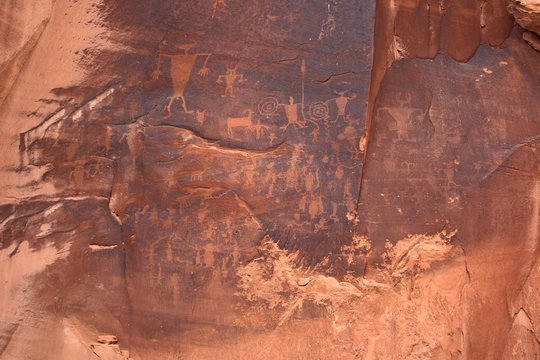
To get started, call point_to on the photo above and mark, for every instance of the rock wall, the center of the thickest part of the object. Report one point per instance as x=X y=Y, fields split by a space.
x=225 y=179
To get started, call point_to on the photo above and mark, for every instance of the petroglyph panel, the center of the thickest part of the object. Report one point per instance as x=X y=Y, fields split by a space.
x=267 y=179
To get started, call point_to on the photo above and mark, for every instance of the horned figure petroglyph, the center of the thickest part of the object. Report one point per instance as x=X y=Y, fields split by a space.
x=401 y=112
x=181 y=66
x=230 y=78
x=234 y=122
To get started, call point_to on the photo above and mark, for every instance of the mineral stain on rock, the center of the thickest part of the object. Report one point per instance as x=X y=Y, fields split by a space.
x=283 y=179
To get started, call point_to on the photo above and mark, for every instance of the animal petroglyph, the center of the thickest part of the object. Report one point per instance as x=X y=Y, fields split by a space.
x=181 y=67
x=234 y=122
x=230 y=78
x=246 y=122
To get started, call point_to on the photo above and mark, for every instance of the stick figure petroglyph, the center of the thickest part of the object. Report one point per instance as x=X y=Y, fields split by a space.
x=230 y=78
x=181 y=66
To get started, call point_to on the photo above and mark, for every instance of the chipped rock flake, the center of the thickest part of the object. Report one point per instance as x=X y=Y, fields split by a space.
x=365 y=307
x=418 y=252
x=271 y=278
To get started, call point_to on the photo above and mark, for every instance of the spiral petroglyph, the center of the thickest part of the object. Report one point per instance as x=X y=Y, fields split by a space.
x=268 y=106
x=318 y=111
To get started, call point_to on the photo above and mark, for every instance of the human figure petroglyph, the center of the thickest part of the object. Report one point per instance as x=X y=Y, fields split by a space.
x=334 y=216
x=341 y=103
x=269 y=105
x=109 y=133
x=77 y=175
x=291 y=111
x=272 y=137
x=181 y=67
x=401 y=113
x=230 y=78
x=132 y=110
x=245 y=121
x=199 y=117
x=349 y=140
x=216 y=3
x=319 y=110
x=131 y=136
x=293 y=180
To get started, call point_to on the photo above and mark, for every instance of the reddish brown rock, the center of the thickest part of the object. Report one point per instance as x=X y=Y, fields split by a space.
x=456 y=28
x=526 y=13
x=237 y=180
x=532 y=39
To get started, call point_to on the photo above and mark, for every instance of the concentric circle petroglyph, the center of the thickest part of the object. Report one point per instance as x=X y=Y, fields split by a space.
x=318 y=111
x=268 y=106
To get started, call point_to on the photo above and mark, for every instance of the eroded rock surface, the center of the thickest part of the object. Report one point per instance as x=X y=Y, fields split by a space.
x=526 y=13
x=271 y=180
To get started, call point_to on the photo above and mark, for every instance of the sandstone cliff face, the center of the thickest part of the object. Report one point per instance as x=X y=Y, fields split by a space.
x=274 y=180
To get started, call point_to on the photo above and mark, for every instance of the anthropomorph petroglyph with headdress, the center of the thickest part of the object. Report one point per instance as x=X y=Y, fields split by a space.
x=181 y=66
x=341 y=103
